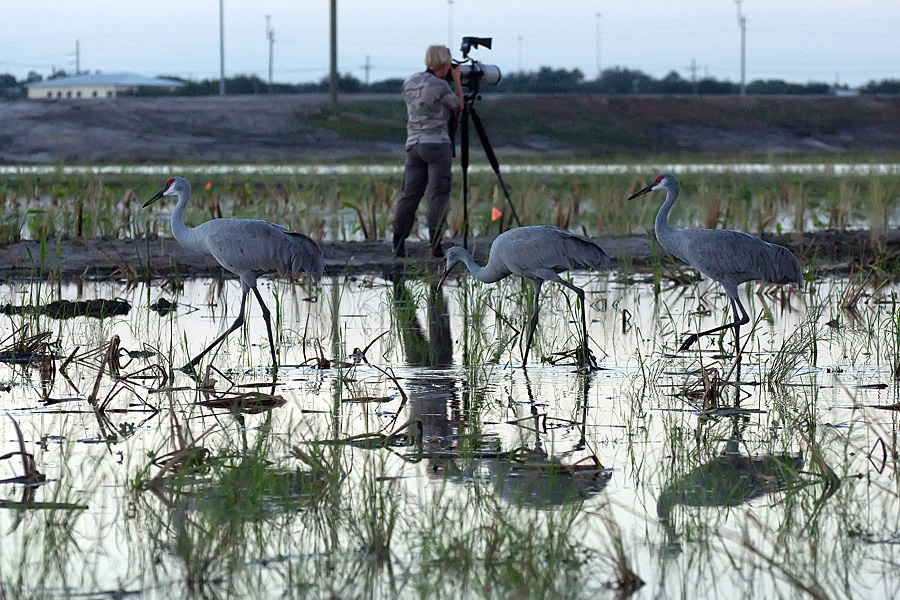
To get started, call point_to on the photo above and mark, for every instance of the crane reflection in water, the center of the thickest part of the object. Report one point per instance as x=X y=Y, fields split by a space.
x=727 y=479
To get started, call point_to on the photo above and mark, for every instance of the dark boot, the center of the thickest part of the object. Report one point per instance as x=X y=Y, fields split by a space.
x=399 y=246
x=435 y=236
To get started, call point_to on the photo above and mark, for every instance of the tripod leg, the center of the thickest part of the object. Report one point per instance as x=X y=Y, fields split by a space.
x=492 y=158
x=464 y=164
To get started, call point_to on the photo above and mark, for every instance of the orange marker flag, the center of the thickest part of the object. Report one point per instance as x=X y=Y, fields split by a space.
x=495 y=214
x=209 y=185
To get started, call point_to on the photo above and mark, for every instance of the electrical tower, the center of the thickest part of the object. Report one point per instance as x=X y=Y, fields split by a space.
x=367 y=67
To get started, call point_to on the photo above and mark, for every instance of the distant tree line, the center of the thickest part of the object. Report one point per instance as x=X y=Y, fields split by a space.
x=546 y=80
x=620 y=80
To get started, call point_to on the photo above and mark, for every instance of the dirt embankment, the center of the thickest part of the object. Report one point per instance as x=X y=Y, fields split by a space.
x=281 y=128
x=165 y=258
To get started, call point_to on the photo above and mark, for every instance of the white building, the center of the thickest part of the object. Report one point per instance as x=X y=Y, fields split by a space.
x=98 y=85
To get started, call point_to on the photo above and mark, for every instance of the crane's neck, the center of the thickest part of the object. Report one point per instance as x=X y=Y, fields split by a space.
x=488 y=273
x=182 y=232
x=664 y=233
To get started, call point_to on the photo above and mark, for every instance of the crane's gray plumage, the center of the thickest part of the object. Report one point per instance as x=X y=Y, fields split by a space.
x=256 y=248
x=248 y=248
x=537 y=253
x=729 y=257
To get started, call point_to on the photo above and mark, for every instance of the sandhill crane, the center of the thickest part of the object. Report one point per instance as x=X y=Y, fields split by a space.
x=729 y=257
x=248 y=248
x=537 y=253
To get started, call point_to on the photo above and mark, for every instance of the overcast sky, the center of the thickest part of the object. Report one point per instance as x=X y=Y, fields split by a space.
x=851 y=41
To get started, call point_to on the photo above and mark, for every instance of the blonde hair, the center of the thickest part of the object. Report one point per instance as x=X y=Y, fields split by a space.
x=436 y=57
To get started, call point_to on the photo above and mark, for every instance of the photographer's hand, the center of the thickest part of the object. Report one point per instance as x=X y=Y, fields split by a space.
x=457 y=83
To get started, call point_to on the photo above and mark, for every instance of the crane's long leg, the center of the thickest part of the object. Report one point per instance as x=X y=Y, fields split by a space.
x=737 y=328
x=736 y=324
x=268 y=319
x=534 y=318
x=189 y=368
x=585 y=361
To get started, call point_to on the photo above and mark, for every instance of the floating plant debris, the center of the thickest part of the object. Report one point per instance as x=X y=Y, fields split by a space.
x=163 y=306
x=67 y=309
x=249 y=402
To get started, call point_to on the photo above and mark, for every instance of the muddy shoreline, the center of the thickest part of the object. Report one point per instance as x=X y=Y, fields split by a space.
x=160 y=258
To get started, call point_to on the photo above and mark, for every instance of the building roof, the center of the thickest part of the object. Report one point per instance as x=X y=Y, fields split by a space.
x=107 y=79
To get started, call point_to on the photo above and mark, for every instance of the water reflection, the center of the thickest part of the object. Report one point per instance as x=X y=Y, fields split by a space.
x=728 y=479
x=278 y=502
x=433 y=393
x=526 y=474
x=529 y=475
x=813 y=168
x=420 y=350
x=210 y=513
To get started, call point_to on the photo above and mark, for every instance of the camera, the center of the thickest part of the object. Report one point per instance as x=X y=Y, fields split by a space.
x=476 y=72
x=472 y=72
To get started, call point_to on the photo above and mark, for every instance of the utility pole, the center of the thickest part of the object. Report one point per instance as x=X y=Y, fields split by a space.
x=221 y=47
x=270 y=35
x=367 y=67
x=599 y=69
x=449 y=23
x=521 y=67
x=742 y=23
x=333 y=79
x=77 y=58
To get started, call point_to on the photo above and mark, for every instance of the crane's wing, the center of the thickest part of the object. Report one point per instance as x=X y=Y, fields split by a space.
x=245 y=246
x=584 y=252
x=527 y=249
x=736 y=256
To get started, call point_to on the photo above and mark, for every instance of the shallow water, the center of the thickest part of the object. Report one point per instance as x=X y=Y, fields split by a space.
x=788 y=482
x=811 y=168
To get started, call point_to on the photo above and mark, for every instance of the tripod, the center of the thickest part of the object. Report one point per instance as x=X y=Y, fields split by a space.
x=469 y=113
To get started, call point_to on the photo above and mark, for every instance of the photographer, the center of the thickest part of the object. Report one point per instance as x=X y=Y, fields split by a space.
x=430 y=101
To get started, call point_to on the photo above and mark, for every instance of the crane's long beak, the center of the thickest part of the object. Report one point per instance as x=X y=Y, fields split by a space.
x=153 y=199
x=649 y=188
x=443 y=279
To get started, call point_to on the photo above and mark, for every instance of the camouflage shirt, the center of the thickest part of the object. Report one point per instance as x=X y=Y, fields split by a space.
x=429 y=103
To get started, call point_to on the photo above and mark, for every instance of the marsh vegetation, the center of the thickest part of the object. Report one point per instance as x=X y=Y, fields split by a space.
x=354 y=204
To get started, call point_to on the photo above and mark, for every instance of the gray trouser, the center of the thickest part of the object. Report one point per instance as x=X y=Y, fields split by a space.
x=427 y=165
